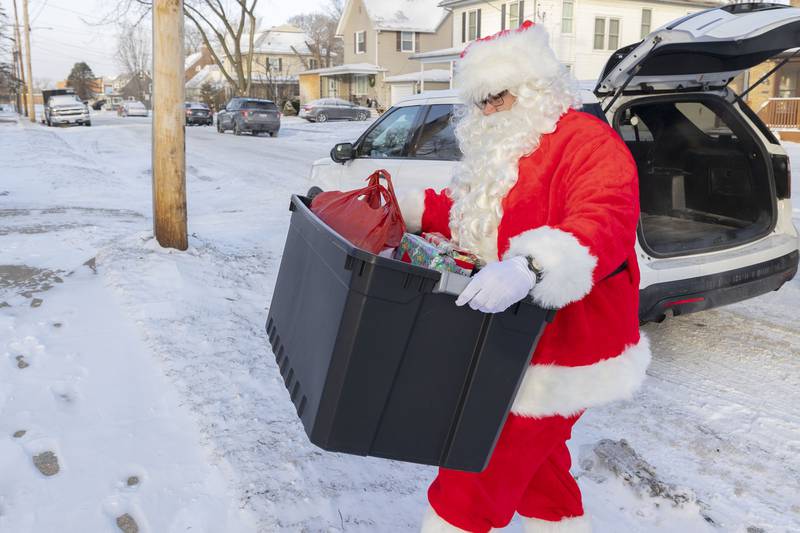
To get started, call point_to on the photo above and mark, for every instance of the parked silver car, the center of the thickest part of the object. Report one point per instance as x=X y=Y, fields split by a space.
x=326 y=109
x=249 y=114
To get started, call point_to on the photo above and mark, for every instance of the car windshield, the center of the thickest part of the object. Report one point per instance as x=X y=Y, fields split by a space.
x=64 y=99
x=196 y=105
x=259 y=104
x=339 y=101
x=136 y=105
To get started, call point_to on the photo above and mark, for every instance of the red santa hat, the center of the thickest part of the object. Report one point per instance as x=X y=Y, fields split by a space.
x=506 y=60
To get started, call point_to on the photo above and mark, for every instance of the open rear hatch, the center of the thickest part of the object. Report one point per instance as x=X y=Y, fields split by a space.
x=706 y=179
x=703 y=50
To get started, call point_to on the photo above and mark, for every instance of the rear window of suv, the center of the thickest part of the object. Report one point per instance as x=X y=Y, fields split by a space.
x=256 y=104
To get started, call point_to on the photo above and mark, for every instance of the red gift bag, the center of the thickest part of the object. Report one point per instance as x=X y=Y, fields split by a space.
x=369 y=218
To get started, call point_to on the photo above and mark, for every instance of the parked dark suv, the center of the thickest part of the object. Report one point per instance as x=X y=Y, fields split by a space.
x=249 y=114
x=198 y=113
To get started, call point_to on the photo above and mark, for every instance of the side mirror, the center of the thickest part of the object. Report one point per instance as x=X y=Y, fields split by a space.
x=342 y=152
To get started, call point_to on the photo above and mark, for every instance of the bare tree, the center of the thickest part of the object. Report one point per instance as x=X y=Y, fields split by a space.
x=321 y=31
x=192 y=40
x=226 y=27
x=133 y=55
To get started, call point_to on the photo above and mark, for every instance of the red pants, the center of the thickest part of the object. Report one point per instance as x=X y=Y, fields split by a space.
x=528 y=473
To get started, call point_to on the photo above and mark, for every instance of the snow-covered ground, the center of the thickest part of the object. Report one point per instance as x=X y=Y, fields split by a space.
x=147 y=376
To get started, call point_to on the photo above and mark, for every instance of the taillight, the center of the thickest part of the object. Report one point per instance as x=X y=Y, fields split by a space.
x=307 y=107
x=245 y=114
x=782 y=170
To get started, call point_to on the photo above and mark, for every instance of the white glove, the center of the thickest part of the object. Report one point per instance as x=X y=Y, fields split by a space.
x=499 y=285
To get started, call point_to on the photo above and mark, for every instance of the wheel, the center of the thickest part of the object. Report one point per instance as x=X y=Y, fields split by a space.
x=362 y=116
x=49 y=124
x=322 y=117
x=273 y=134
x=236 y=129
x=219 y=127
x=312 y=192
x=87 y=124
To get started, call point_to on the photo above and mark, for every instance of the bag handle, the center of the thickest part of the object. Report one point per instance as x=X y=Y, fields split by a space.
x=387 y=192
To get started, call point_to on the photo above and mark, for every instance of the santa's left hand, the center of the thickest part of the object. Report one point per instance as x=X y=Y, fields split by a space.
x=499 y=285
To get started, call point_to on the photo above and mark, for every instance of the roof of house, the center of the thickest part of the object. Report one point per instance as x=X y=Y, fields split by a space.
x=208 y=74
x=352 y=68
x=283 y=39
x=191 y=59
x=424 y=16
x=434 y=75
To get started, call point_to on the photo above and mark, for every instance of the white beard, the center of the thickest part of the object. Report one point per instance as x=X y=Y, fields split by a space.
x=492 y=147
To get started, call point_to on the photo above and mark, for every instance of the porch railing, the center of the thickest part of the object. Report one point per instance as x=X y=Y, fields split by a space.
x=781 y=113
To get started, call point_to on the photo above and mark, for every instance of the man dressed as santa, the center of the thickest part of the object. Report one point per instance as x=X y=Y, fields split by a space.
x=548 y=197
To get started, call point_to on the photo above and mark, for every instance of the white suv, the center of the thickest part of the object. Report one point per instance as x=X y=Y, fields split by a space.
x=716 y=217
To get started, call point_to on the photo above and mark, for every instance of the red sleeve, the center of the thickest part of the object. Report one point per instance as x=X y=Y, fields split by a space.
x=596 y=231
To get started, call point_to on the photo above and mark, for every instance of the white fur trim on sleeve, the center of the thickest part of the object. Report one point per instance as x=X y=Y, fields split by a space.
x=575 y=524
x=433 y=523
x=567 y=264
x=412 y=206
x=549 y=390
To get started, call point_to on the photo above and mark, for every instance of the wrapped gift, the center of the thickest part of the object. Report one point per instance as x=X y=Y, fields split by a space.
x=416 y=250
x=441 y=255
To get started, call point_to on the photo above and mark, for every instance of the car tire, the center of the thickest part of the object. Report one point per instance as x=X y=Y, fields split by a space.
x=87 y=124
x=236 y=129
x=322 y=117
x=362 y=116
x=273 y=134
x=219 y=127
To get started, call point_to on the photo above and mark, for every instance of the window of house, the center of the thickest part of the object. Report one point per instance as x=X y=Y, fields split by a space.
x=332 y=87
x=606 y=33
x=567 y=16
x=647 y=17
x=312 y=64
x=361 y=42
x=472 y=25
x=275 y=64
x=513 y=14
x=361 y=85
x=407 y=41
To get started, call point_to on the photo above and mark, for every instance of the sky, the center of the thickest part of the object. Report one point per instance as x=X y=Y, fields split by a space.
x=65 y=32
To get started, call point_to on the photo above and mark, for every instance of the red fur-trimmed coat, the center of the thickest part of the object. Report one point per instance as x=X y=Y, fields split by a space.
x=574 y=207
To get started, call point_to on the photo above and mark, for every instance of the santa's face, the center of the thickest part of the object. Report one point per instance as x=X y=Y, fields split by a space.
x=496 y=103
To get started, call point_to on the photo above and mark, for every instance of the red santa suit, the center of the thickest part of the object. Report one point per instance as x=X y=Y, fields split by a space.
x=572 y=204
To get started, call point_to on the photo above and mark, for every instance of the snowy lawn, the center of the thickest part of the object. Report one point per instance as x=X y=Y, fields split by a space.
x=147 y=376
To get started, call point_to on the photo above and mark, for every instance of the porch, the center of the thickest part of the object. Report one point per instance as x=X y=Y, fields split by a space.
x=782 y=115
x=357 y=83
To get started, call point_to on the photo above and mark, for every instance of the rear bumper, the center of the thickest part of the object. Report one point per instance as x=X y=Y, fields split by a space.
x=261 y=126
x=705 y=292
x=198 y=120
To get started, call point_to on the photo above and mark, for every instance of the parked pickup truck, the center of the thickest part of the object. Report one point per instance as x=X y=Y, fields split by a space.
x=62 y=106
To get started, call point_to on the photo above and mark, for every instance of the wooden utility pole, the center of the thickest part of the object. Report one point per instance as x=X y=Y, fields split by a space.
x=27 y=31
x=169 y=145
x=21 y=70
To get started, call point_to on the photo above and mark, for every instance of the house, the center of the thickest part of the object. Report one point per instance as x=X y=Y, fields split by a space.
x=379 y=37
x=777 y=98
x=583 y=33
x=195 y=62
x=210 y=76
x=280 y=54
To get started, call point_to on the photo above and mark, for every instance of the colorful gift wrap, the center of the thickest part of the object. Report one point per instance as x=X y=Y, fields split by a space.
x=443 y=257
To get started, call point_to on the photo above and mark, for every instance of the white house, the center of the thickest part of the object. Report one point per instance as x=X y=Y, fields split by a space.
x=583 y=33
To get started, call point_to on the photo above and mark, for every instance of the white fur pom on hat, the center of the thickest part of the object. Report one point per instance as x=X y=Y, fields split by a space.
x=506 y=60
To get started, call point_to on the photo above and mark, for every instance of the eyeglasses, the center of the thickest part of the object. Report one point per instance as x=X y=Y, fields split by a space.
x=496 y=100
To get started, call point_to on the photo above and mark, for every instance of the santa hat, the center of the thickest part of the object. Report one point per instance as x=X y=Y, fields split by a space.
x=506 y=60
